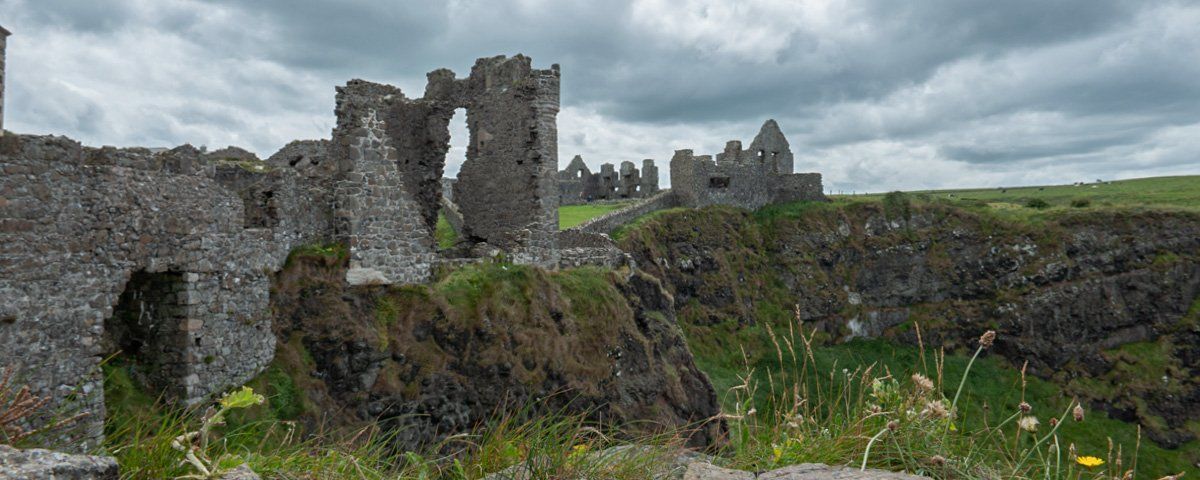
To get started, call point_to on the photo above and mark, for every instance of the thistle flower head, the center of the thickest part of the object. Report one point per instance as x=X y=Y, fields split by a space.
x=1025 y=407
x=935 y=409
x=923 y=383
x=1028 y=423
x=1078 y=412
x=986 y=340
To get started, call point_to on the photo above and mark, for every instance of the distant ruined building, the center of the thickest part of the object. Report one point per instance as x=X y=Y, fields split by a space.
x=577 y=184
x=750 y=178
x=746 y=178
x=167 y=255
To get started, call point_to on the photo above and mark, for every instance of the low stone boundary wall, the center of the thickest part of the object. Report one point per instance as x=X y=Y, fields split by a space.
x=453 y=216
x=609 y=222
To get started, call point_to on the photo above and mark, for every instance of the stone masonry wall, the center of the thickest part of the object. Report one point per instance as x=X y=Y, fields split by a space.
x=80 y=223
x=165 y=256
x=577 y=184
x=745 y=178
x=609 y=222
x=377 y=216
x=507 y=189
x=3 y=46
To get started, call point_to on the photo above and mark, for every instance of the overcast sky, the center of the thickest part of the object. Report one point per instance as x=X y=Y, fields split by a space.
x=877 y=95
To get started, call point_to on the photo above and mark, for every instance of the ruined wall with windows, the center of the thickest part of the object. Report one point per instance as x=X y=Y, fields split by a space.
x=112 y=250
x=747 y=178
x=577 y=184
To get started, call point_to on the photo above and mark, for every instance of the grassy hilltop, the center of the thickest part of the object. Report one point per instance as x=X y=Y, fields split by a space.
x=1159 y=193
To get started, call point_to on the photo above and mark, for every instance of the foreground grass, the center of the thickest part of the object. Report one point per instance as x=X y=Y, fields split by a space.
x=142 y=432
x=836 y=383
x=865 y=405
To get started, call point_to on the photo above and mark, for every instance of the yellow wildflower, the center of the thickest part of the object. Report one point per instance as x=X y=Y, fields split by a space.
x=1089 y=461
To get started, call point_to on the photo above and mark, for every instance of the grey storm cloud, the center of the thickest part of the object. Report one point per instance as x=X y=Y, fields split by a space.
x=869 y=92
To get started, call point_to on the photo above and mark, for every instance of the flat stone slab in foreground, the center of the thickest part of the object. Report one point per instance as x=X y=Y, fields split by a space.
x=38 y=464
x=804 y=471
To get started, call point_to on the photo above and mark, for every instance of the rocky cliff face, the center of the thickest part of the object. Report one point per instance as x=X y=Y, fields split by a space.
x=1103 y=302
x=434 y=360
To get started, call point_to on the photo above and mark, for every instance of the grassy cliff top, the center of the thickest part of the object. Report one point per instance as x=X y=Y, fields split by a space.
x=1182 y=192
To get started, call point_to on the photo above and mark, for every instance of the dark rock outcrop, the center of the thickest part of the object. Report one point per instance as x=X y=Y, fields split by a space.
x=432 y=361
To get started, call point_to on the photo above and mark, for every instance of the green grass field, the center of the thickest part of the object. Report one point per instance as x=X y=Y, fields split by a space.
x=572 y=215
x=568 y=216
x=1173 y=193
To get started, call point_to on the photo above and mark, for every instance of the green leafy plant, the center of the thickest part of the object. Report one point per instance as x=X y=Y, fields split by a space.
x=195 y=444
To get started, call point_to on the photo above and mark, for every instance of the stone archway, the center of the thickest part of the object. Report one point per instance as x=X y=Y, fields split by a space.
x=147 y=331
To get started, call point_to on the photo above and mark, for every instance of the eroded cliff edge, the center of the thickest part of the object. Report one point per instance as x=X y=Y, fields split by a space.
x=1102 y=302
x=433 y=360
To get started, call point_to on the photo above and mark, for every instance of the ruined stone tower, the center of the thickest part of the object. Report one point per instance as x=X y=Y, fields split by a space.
x=507 y=189
x=4 y=33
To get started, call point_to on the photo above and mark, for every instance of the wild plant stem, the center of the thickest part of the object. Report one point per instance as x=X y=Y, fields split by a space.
x=961 y=383
x=1038 y=444
x=867 y=453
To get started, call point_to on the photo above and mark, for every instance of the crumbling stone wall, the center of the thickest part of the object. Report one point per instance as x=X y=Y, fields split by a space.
x=578 y=185
x=507 y=189
x=746 y=178
x=506 y=192
x=3 y=46
x=388 y=232
x=649 y=181
x=166 y=254
x=78 y=223
x=571 y=181
x=610 y=221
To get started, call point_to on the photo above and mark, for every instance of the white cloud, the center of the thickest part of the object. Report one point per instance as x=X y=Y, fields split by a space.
x=876 y=95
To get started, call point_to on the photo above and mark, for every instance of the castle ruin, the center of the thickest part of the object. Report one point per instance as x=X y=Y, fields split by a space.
x=577 y=184
x=166 y=256
x=746 y=178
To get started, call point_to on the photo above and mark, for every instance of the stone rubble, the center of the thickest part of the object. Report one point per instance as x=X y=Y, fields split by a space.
x=38 y=464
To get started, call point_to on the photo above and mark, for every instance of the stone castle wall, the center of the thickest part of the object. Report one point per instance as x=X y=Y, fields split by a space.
x=746 y=178
x=165 y=257
x=610 y=221
x=378 y=217
x=124 y=249
x=578 y=185
x=3 y=46
x=507 y=190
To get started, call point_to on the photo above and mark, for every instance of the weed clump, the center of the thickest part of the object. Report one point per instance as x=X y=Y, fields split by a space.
x=897 y=205
x=1037 y=204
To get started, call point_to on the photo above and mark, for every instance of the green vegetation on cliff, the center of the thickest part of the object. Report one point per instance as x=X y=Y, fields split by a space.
x=1180 y=193
x=740 y=276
